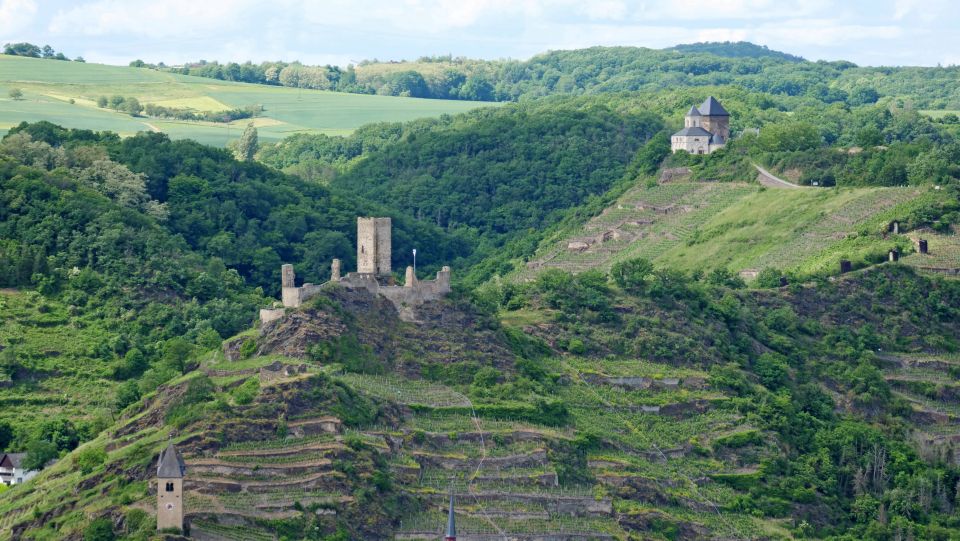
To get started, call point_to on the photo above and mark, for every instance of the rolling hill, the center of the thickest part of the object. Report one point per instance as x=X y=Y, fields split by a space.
x=48 y=87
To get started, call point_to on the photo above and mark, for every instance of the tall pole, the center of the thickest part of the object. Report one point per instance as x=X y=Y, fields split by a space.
x=414 y=263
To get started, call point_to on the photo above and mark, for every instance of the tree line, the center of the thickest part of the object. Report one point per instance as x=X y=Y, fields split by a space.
x=35 y=51
x=608 y=69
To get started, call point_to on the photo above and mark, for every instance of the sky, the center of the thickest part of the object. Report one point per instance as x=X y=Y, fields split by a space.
x=868 y=32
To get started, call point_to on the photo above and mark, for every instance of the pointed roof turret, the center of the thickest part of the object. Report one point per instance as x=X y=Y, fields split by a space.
x=170 y=465
x=451 y=523
x=712 y=107
x=693 y=111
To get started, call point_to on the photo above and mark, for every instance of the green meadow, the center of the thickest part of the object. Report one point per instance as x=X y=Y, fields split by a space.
x=48 y=86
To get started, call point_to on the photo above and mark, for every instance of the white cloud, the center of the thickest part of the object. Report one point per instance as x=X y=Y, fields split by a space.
x=169 y=18
x=16 y=16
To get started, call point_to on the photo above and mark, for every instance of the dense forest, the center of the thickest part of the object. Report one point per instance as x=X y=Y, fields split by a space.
x=609 y=69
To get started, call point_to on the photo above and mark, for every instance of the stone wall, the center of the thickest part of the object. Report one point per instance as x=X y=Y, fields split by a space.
x=718 y=125
x=693 y=145
x=271 y=314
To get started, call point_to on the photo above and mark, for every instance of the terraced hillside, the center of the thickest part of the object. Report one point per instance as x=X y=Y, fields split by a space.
x=737 y=226
x=928 y=385
x=65 y=93
x=943 y=254
x=664 y=418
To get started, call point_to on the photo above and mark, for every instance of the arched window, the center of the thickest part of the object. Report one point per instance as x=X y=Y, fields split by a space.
x=169 y=487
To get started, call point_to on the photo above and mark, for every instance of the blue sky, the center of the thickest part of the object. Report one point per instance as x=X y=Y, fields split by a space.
x=880 y=32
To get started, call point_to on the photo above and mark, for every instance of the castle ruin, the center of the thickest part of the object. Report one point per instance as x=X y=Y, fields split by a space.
x=374 y=274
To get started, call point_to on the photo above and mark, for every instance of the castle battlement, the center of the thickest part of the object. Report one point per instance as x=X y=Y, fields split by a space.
x=373 y=274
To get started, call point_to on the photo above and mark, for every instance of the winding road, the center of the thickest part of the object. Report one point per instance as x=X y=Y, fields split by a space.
x=768 y=179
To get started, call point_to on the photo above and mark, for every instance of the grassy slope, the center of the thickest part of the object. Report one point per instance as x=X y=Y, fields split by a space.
x=737 y=226
x=59 y=378
x=49 y=85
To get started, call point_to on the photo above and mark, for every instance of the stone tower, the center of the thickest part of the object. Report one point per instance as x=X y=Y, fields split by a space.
x=714 y=118
x=692 y=118
x=373 y=246
x=170 y=471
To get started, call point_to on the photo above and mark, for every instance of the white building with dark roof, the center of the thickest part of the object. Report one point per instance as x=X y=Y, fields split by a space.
x=11 y=469
x=705 y=129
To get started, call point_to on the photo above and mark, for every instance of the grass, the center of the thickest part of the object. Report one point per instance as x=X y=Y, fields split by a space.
x=48 y=87
x=53 y=350
x=701 y=226
x=938 y=113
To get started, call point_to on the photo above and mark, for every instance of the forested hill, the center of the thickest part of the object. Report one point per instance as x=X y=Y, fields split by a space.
x=610 y=69
x=740 y=49
x=249 y=216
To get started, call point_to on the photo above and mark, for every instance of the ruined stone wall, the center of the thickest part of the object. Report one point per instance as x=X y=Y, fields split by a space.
x=384 y=246
x=271 y=314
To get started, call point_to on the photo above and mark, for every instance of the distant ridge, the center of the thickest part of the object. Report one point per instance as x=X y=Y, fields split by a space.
x=735 y=49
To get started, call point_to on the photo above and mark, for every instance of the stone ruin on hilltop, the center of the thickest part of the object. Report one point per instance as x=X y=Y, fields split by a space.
x=374 y=274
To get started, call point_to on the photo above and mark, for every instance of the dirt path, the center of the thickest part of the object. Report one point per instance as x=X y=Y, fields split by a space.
x=768 y=179
x=151 y=126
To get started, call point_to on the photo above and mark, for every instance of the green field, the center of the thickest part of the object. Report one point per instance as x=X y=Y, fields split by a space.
x=938 y=113
x=48 y=87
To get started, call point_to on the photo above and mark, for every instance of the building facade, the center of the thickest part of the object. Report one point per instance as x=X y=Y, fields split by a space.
x=705 y=129
x=11 y=469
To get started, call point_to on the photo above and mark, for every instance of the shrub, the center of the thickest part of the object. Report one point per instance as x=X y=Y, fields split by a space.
x=100 y=529
x=631 y=275
x=89 y=459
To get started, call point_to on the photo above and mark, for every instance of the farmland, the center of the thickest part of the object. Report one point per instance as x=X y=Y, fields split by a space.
x=48 y=87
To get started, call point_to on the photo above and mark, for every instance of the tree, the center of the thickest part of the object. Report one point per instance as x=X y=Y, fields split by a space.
x=16 y=93
x=103 y=101
x=631 y=275
x=127 y=394
x=79 y=59
x=47 y=51
x=132 y=106
x=22 y=49
x=89 y=459
x=116 y=102
x=6 y=434
x=177 y=352
x=39 y=452
x=248 y=145
x=116 y=182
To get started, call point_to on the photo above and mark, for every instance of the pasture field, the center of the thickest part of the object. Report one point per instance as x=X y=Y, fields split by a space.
x=48 y=87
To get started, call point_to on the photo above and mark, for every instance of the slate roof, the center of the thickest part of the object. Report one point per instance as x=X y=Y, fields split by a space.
x=170 y=465
x=717 y=139
x=693 y=111
x=695 y=131
x=15 y=458
x=712 y=107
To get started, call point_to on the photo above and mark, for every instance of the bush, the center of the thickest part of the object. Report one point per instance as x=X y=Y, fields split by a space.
x=89 y=459
x=100 y=529
x=631 y=275
x=39 y=452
